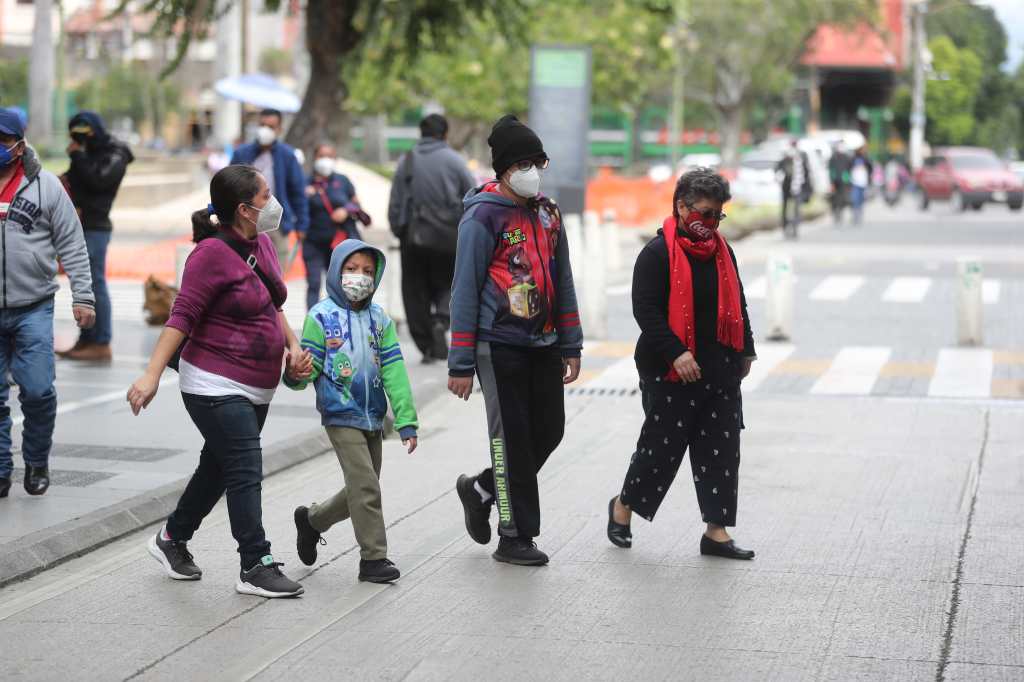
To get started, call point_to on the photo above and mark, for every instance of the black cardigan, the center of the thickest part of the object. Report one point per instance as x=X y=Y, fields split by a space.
x=658 y=346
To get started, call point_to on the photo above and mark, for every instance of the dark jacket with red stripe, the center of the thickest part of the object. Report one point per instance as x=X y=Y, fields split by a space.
x=513 y=282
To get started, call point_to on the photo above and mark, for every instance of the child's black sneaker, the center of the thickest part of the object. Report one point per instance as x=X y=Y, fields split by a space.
x=519 y=551
x=306 y=537
x=477 y=513
x=378 y=571
x=265 y=579
x=174 y=557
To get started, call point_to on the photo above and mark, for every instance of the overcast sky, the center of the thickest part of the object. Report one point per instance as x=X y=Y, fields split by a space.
x=1011 y=13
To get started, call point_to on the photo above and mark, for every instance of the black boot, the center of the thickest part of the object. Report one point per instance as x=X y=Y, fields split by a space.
x=5 y=486
x=37 y=479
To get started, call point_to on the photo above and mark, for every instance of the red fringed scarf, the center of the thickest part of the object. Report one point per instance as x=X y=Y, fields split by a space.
x=680 y=297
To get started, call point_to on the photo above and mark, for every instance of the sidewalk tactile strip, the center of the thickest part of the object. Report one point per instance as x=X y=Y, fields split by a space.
x=605 y=392
x=69 y=479
x=118 y=454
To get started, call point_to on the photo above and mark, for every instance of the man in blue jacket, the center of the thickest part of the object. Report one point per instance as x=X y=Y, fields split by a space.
x=279 y=165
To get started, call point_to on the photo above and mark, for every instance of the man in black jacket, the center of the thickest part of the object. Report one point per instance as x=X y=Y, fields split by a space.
x=795 y=174
x=424 y=211
x=98 y=165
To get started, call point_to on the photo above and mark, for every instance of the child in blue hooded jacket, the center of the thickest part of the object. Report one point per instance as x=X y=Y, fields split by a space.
x=357 y=368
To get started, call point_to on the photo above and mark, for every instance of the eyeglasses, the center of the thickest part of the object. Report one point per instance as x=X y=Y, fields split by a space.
x=709 y=214
x=526 y=165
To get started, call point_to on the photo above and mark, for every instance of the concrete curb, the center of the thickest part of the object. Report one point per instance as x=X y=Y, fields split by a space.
x=47 y=548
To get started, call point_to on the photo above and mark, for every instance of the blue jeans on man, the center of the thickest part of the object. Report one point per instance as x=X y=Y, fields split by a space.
x=26 y=352
x=97 y=242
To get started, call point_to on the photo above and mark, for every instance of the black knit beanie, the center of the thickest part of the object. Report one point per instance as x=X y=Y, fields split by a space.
x=511 y=142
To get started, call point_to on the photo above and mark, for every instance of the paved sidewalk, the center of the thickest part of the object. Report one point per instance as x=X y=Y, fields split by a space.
x=868 y=538
x=112 y=472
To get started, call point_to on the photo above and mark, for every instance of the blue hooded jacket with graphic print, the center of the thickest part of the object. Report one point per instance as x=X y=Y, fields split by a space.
x=357 y=362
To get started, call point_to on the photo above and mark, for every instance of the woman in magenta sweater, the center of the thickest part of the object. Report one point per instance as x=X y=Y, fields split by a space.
x=228 y=315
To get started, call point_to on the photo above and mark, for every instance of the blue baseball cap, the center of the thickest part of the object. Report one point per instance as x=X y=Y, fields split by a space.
x=11 y=123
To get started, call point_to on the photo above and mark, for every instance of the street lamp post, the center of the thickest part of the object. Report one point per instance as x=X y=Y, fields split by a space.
x=917 y=114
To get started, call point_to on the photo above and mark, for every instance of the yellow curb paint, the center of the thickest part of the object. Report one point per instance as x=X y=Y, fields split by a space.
x=1008 y=357
x=908 y=369
x=610 y=349
x=1008 y=388
x=803 y=367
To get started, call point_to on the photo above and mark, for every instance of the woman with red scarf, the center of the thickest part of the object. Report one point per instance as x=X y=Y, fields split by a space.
x=695 y=348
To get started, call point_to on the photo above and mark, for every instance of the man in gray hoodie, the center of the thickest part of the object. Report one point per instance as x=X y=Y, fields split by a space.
x=424 y=212
x=38 y=224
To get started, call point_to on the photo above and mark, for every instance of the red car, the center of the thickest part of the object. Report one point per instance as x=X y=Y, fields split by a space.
x=969 y=176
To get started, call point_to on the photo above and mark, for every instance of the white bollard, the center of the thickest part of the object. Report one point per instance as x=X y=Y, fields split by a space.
x=779 y=296
x=595 y=294
x=181 y=254
x=574 y=233
x=613 y=248
x=392 y=284
x=969 y=302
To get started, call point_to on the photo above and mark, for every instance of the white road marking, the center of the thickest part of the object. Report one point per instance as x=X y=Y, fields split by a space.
x=122 y=394
x=620 y=375
x=907 y=290
x=853 y=371
x=837 y=288
x=990 y=289
x=620 y=290
x=769 y=355
x=962 y=373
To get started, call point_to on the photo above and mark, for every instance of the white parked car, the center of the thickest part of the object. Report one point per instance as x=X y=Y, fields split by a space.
x=756 y=183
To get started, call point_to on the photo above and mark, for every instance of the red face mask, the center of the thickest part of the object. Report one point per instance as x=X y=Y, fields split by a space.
x=697 y=226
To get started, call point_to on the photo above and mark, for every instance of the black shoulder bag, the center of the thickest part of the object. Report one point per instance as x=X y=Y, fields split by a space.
x=250 y=260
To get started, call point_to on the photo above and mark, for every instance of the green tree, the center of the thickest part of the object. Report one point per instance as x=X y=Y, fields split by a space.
x=13 y=82
x=129 y=91
x=743 y=51
x=976 y=28
x=951 y=96
x=337 y=33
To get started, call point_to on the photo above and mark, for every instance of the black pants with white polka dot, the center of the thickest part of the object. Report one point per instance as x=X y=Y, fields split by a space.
x=705 y=418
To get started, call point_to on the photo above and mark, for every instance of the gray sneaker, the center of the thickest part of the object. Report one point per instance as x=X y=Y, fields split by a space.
x=174 y=557
x=265 y=579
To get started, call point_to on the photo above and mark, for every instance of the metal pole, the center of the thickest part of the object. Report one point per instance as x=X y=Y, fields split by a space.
x=678 y=80
x=917 y=114
x=41 y=76
x=60 y=114
x=245 y=51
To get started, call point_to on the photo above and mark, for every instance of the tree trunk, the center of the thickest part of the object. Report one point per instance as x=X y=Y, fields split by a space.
x=330 y=37
x=730 y=123
x=40 y=80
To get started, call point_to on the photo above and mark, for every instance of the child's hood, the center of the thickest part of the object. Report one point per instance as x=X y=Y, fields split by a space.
x=341 y=253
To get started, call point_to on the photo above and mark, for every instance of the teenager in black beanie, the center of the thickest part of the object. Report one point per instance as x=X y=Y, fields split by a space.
x=516 y=325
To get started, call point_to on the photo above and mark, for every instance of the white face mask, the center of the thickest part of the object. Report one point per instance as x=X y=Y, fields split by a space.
x=324 y=166
x=270 y=216
x=266 y=136
x=525 y=183
x=356 y=286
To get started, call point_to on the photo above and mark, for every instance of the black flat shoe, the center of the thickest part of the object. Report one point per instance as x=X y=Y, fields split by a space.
x=37 y=480
x=727 y=550
x=618 y=533
x=5 y=486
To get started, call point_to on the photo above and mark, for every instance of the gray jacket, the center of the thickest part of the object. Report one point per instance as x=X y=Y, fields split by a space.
x=41 y=225
x=440 y=178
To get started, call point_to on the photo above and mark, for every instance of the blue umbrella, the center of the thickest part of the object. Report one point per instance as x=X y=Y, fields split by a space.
x=259 y=90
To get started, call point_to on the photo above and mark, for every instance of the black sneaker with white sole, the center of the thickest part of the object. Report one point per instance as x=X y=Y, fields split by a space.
x=265 y=579
x=306 y=536
x=519 y=551
x=477 y=513
x=378 y=571
x=174 y=557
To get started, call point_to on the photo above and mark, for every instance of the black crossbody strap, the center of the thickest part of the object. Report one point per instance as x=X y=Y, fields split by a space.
x=250 y=260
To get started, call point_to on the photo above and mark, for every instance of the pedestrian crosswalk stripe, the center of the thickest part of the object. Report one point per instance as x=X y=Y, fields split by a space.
x=756 y=289
x=907 y=290
x=837 y=288
x=769 y=355
x=853 y=371
x=962 y=373
x=990 y=291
